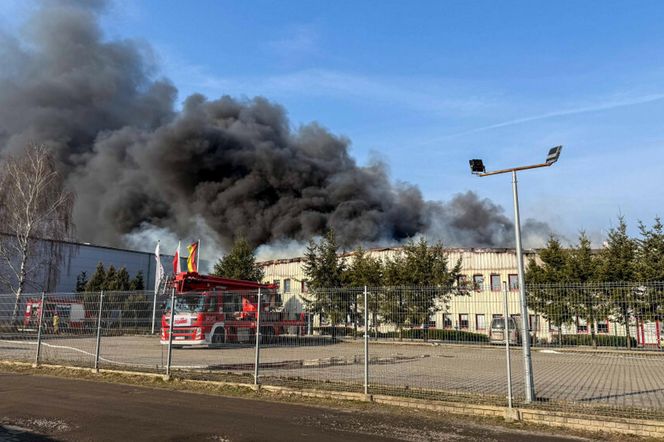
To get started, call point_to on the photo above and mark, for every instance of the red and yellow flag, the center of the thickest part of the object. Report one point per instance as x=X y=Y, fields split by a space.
x=192 y=260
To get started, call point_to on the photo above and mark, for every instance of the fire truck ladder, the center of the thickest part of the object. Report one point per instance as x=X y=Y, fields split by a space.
x=165 y=284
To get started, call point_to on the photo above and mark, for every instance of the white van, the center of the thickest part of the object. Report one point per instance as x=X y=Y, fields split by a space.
x=497 y=331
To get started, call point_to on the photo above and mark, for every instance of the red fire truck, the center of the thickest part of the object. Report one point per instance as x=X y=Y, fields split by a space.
x=214 y=310
x=71 y=312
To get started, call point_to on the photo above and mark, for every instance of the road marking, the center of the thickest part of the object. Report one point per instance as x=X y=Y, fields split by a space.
x=66 y=347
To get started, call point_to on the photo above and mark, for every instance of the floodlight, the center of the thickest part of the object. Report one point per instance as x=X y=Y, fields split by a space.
x=477 y=166
x=554 y=154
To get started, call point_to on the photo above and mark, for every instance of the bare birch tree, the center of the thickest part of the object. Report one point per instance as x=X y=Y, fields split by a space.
x=34 y=205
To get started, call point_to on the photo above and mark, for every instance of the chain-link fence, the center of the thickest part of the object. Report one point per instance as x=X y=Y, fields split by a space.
x=595 y=347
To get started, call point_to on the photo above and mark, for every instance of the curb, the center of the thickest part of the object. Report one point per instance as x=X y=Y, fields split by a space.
x=578 y=349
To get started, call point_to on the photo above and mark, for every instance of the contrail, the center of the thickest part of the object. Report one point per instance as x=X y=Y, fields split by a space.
x=579 y=110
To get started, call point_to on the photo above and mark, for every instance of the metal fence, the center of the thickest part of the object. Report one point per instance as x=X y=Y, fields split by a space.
x=595 y=347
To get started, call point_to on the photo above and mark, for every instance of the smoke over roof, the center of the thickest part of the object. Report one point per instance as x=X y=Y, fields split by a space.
x=218 y=167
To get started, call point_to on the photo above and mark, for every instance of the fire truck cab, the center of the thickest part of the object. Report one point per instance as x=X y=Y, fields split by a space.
x=213 y=310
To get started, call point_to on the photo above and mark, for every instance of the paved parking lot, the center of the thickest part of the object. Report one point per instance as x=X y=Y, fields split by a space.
x=617 y=379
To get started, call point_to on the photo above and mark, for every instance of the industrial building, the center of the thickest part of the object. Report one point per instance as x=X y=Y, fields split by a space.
x=484 y=270
x=60 y=277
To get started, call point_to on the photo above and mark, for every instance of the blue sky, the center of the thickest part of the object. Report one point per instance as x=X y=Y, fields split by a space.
x=428 y=85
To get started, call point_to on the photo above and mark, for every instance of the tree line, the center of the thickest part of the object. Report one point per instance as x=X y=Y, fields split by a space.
x=109 y=280
x=117 y=303
x=415 y=282
x=594 y=285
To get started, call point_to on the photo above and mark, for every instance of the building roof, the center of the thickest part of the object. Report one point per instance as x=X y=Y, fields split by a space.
x=394 y=249
x=87 y=244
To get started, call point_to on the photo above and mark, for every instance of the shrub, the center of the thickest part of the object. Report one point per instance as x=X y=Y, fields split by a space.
x=340 y=331
x=602 y=340
x=415 y=333
x=438 y=335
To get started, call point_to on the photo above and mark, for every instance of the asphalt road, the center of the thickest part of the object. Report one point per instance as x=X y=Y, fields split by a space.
x=49 y=408
x=617 y=379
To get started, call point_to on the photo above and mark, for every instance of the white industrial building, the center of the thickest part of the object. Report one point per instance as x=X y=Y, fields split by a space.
x=484 y=270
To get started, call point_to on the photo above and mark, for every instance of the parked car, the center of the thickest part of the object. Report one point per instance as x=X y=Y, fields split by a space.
x=497 y=331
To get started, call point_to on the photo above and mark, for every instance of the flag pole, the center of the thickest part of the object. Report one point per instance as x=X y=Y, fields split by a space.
x=157 y=282
x=198 y=256
x=176 y=261
x=157 y=274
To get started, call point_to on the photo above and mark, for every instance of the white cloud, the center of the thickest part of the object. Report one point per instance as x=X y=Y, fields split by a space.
x=412 y=93
x=300 y=40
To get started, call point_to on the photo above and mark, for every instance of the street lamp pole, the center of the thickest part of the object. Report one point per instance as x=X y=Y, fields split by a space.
x=477 y=168
x=525 y=326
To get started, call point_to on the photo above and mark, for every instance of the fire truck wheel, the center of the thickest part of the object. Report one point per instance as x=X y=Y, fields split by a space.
x=218 y=336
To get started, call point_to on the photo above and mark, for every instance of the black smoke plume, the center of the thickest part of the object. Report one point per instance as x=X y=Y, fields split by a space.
x=229 y=167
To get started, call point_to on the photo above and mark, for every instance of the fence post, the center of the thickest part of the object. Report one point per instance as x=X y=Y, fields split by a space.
x=39 y=331
x=506 y=335
x=355 y=317
x=170 y=335
x=154 y=311
x=366 y=342
x=98 y=346
x=258 y=337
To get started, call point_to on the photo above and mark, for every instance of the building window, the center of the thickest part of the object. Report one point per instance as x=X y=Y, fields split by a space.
x=513 y=282
x=495 y=283
x=496 y=316
x=303 y=287
x=581 y=326
x=462 y=280
x=603 y=327
x=463 y=321
x=478 y=282
x=447 y=321
x=286 y=285
x=479 y=322
x=277 y=283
